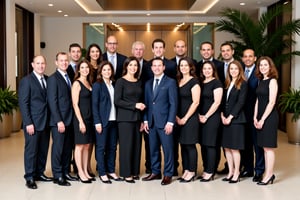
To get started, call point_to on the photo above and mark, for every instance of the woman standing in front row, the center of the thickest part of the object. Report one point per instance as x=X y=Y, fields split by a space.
x=209 y=117
x=265 y=114
x=234 y=119
x=104 y=113
x=187 y=117
x=128 y=96
x=83 y=120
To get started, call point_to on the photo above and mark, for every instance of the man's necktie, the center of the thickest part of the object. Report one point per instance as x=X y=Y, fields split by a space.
x=247 y=73
x=43 y=83
x=68 y=80
x=112 y=60
x=155 y=86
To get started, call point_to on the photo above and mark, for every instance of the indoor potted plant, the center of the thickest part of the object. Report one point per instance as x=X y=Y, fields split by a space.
x=289 y=103
x=8 y=103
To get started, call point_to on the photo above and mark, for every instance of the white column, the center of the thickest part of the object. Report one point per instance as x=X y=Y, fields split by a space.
x=10 y=43
x=295 y=71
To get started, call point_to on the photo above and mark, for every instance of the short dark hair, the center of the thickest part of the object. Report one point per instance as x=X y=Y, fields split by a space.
x=207 y=42
x=227 y=44
x=158 y=40
x=74 y=45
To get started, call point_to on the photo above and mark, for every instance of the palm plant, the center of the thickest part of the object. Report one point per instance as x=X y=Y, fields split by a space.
x=255 y=35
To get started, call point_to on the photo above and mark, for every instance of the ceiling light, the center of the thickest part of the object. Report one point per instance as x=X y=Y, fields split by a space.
x=50 y=4
x=66 y=15
x=242 y=4
x=60 y=11
x=148 y=14
x=286 y=2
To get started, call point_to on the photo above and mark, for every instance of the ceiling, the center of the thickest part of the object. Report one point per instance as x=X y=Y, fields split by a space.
x=186 y=8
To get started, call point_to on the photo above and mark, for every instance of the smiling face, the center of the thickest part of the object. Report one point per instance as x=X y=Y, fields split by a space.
x=138 y=51
x=158 y=49
x=234 y=71
x=157 y=67
x=206 y=51
x=227 y=53
x=184 y=67
x=264 y=67
x=111 y=44
x=207 y=70
x=75 y=54
x=180 y=48
x=39 y=65
x=106 y=72
x=62 y=62
x=84 y=69
x=132 y=67
x=94 y=54
x=249 y=57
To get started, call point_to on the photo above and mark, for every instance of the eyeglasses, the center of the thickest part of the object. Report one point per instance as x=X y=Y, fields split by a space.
x=112 y=43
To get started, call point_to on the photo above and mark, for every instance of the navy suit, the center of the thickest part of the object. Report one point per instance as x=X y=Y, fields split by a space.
x=170 y=70
x=106 y=142
x=160 y=109
x=247 y=156
x=71 y=73
x=60 y=104
x=120 y=61
x=34 y=109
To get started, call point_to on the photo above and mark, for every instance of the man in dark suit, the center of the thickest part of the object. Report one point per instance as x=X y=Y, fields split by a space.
x=34 y=109
x=158 y=50
x=75 y=56
x=180 y=50
x=112 y=56
x=60 y=104
x=159 y=118
x=227 y=52
x=247 y=155
x=207 y=53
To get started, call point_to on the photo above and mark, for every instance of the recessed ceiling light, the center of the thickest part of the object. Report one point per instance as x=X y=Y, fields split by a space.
x=286 y=2
x=66 y=15
x=60 y=11
x=148 y=14
x=50 y=4
x=242 y=4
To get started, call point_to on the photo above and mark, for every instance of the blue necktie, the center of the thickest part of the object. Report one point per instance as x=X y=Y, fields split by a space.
x=155 y=86
x=68 y=80
x=247 y=73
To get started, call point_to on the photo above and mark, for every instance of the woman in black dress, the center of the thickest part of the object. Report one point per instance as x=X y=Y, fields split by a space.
x=234 y=119
x=187 y=118
x=209 y=117
x=128 y=100
x=265 y=114
x=83 y=120
x=94 y=56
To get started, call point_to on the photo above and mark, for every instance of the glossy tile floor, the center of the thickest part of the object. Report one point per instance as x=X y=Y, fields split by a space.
x=12 y=184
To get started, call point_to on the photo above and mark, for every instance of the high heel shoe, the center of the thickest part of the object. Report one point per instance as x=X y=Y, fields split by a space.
x=234 y=181
x=91 y=174
x=129 y=180
x=227 y=179
x=189 y=180
x=84 y=181
x=271 y=180
x=105 y=181
x=92 y=179
x=209 y=179
x=113 y=178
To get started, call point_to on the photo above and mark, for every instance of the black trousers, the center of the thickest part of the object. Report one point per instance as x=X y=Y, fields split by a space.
x=209 y=158
x=189 y=157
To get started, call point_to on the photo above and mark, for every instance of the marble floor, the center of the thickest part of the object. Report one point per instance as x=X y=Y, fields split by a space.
x=12 y=184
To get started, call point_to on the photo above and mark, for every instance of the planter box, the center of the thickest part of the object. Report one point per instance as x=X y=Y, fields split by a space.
x=6 y=125
x=17 y=121
x=292 y=129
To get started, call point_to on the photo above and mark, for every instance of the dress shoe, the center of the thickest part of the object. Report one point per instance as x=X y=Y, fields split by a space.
x=114 y=178
x=92 y=179
x=227 y=179
x=152 y=177
x=105 y=181
x=91 y=174
x=44 y=178
x=148 y=171
x=257 y=178
x=61 y=181
x=84 y=181
x=270 y=181
x=70 y=178
x=129 y=180
x=246 y=174
x=166 y=180
x=209 y=179
x=31 y=184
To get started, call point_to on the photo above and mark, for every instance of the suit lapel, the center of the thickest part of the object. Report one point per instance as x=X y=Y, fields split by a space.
x=38 y=83
x=159 y=86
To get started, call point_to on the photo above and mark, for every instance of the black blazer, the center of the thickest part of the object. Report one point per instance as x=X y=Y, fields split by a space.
x=234 y=105
x=101 y=103
x=60 y=100
x=33 y=102
x=174 y=60
x=120 y=61
x=219 y=66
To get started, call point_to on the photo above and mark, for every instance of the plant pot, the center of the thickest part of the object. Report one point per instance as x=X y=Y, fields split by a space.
x=6 y=125
x=292 y=129
x=17 y=120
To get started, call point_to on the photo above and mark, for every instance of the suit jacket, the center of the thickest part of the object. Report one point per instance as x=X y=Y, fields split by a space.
x=101 y=103
x=234 y=104
x=252 y=83
x=60 y=100
x=120 y=61
x=33 y=102
x=162 y=107
x=170 y=69
x=174 y=60
x=71 y=73
x=219 y=67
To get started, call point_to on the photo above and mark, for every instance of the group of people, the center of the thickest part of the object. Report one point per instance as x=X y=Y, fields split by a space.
x=110 y=100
